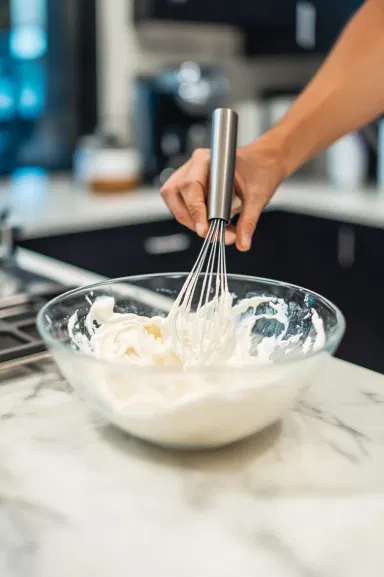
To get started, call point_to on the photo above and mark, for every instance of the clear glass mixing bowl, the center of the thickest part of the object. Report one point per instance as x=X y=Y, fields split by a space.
x=202 y=407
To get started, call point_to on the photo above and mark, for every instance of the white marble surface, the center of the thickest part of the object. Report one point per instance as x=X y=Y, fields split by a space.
x=303 y=499
x=58 y=206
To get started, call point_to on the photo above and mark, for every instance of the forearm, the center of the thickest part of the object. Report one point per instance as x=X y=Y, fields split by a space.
x=346 y=93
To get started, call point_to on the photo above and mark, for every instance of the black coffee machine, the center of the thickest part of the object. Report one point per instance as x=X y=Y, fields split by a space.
x=172 y=113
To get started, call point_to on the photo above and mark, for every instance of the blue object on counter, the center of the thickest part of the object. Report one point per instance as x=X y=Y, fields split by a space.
x=29 y=186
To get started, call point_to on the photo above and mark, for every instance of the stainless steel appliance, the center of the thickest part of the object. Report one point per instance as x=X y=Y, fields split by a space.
x=172 y=113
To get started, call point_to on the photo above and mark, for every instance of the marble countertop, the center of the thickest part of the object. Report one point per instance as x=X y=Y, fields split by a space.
x=305 y=498
x=48 y=207
x=78 y=498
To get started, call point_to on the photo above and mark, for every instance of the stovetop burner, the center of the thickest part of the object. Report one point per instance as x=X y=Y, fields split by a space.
x=19 y=338
x=22 y=294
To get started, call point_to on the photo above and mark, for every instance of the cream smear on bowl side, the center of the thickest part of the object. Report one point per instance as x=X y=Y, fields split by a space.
x=144 y=341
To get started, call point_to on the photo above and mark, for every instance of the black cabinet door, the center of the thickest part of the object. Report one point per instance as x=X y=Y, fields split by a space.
x=163 y=246
x=263 y=258
x=340 y=261
x=332 y=15
x=272 y=27
x=241 y=13
x=362 y=286
x=337 y=260
x=305 y=251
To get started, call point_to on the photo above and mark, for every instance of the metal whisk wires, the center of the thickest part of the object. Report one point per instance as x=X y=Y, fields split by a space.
x=198 y=315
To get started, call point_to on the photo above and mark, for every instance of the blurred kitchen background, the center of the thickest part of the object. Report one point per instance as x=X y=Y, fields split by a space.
x=100 y=100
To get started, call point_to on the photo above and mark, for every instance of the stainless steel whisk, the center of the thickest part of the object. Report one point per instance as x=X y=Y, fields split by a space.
x=198 y=333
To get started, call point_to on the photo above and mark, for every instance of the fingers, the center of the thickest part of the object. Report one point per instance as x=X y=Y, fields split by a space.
x=246 y=225
x=236 y=205
x=173 y=199
x=192 y=188
x=185 y=195
x=184 y=192
x=230 y=234
x=178 y=208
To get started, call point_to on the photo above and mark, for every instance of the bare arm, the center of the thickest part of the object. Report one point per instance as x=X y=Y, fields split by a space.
x=346 y=93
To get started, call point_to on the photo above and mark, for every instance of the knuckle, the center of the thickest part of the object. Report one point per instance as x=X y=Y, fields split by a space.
x=180 y=217
x=185 y=183
x=249 y=223
x=191 y=187
x=168 y=191
x=165 y=190
x=195 y=209
x=196 y=203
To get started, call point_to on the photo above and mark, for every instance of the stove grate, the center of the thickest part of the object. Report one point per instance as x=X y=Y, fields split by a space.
x=19 y=337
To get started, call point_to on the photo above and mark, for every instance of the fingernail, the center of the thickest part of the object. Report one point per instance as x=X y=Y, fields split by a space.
x=246 y=241
x=230 y=237
x=200 y=229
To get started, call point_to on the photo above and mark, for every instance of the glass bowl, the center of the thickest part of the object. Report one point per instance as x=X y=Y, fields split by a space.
x=204 y=406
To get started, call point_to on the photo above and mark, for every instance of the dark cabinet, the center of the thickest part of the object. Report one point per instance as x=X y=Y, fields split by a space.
x=332 y=15
x=362 y=286
x=338 y=260
x=162 y=246
x=242 y=13
x=272 y=27
x=129 y=250
x=307 y=251
x=309 y=26
x=263 y=258
x=341 y=262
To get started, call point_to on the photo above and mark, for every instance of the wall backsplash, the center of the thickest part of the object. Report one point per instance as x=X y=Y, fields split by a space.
x=122 y=55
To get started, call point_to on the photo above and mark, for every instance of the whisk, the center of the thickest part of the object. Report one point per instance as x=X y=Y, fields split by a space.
x=201 y=313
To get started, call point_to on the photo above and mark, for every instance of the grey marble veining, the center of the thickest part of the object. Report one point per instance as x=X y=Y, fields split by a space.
x=305 y=498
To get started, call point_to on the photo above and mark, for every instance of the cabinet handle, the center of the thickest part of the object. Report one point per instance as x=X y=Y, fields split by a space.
x=346 y=247
x=305 y=25
x=167 y=244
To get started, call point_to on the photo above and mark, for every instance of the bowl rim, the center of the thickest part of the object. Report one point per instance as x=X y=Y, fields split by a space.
x=331 y=342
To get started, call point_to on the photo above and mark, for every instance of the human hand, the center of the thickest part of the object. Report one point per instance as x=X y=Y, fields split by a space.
x=259 y=171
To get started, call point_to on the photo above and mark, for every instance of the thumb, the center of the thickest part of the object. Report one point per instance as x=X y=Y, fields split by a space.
x=246 y=225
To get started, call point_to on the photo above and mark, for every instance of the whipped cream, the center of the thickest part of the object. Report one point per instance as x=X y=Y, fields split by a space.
x=158 y=341
x=193 y=408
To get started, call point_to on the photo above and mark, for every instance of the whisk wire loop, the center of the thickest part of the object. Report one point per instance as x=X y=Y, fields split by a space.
x=198 y=315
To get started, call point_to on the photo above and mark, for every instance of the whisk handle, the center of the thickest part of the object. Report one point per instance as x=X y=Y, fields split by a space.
x=223 y=160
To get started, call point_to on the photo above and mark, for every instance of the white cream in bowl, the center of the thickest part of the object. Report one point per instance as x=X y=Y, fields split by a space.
x=137 y=375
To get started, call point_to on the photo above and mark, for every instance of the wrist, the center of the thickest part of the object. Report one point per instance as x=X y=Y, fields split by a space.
x=290 y=147
x=273 y=147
